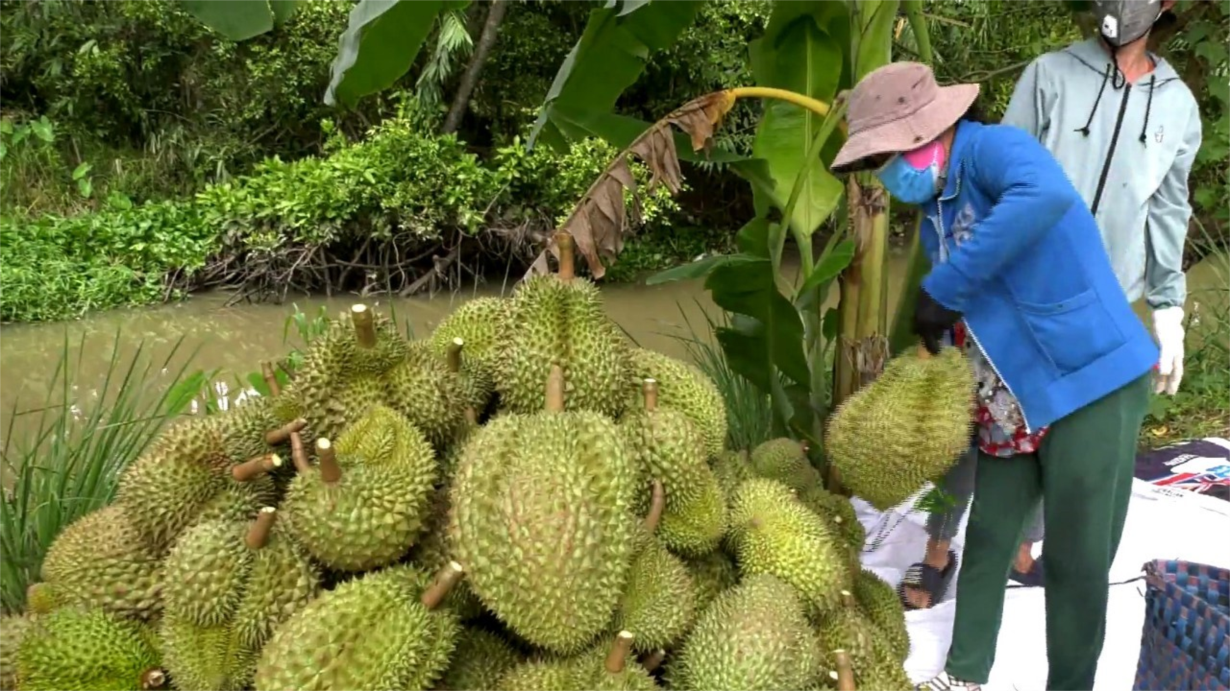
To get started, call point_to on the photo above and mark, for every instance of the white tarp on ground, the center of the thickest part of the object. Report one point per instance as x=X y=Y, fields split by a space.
x=1161 y=524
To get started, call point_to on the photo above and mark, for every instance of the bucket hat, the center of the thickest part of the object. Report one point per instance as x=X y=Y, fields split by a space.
x=897 y=108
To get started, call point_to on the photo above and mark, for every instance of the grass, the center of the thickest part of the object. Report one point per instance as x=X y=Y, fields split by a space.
x=62 y=461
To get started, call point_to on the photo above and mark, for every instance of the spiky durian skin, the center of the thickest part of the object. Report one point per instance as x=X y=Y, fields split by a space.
x=712 y=574
x=225 y=599
x=681 y=387
x=359 y=523
x=696 y=528
x=480 y=323
x=845 y=628
x=243 y=429
x=731 y=469
x=12 y=630
x=544 y=674
x=84 y=649
x=772 y=533
x=432 y=552
x=659 y=602
x=906 y=428
x=373 y=632
x=753 y=636
x=479 y=661
x=786 y=461
x=185 y=478
x=431 y=397
x=542 y=519
x=840 y=513
x=669 y=448
x=881 y=605
x=553 y=322
x=101 y=561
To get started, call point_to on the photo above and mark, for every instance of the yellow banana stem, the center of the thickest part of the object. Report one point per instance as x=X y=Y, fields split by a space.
x=806 y=102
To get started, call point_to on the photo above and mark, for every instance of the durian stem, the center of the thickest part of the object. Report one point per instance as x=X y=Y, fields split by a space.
x=653 y=660
x=649 y=389
x=281 y=434
x=847 y=599
x=657 y=504
x=445 y=580
x=298 y=454
x=555 y=390
x=364 y=327
x=454 y=355
x=258 y=534
x=617 y=659
x=152 y=679
x=271 y=379
x=330 y=471
x=845 y=673
x=923 y=353
x=256 y=467
x=471 y=416
x=567 y=256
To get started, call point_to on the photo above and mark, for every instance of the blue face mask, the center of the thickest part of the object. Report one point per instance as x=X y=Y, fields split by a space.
x=911 y=184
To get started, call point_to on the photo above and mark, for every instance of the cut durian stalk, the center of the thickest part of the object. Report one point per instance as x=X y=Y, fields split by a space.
x=271 y=379
x=298 y=455
x=653 y=660
x=845 y=672
x=657 y=504
x=153 y=678
x=847 y=599
x=446 y=579
x=617 y=659
x=567 y=257
x=650 y=390
x=258 y=534
x=471 y=416
x=282 y=434
x=454 y=354
x=253 y=468
x=330 y=471
x=364 y=326
x=555 y=390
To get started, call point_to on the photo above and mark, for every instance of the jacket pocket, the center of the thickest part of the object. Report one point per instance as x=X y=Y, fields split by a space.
x=1072 y=333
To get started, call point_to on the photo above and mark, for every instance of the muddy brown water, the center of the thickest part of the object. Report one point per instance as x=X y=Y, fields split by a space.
x=235 y=339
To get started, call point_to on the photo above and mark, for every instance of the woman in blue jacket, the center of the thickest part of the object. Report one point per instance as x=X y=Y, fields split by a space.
x=1021 y=279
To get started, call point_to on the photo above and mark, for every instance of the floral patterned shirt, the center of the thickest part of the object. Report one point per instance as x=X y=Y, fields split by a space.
x=1001 y=426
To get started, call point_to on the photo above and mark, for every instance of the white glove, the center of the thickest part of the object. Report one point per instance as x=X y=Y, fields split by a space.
x=1168 y=328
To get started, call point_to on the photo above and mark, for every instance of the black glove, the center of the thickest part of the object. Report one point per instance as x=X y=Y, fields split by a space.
x=931 y=320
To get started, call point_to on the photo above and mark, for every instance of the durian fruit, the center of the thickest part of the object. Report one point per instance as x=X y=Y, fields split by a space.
x=432 y=398
x=542 y=518
x=480 y=660
x=847 y=633
x=230 y=585
x=476 y=384
x=658 y=604
x=785 y=460
x=432 y=552
x=81 y=649
x=101 y=561
x=558 y=320
x=772 y=533
x=753 y=636
x=682 y=387
x=669 y=448
x=12 y=630
x=616 y=672
x=712 y=574
x=365 y=504
x=731 y=469
x=382 y=630
x=545 y=673
x=185 y=478
x=880 y=603
x=904 y=429
x=42 y=599
x=840 y=513
x=481 y=323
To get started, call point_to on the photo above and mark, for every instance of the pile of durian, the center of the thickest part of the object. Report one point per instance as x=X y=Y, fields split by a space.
x=521 y=500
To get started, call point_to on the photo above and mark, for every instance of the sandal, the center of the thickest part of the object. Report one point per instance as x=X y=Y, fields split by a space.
x=929 y=579
x=1033 y=578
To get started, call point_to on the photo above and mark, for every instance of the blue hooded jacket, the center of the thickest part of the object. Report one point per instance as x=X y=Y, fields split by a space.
x=1015 y=249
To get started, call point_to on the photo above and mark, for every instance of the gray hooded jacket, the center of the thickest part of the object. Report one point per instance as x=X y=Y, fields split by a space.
x=1128 y=149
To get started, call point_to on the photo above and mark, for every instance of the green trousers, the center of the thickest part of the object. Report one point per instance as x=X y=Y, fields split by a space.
x=1083 y=473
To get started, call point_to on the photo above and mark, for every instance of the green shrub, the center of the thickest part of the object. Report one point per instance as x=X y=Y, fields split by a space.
x=397 y=193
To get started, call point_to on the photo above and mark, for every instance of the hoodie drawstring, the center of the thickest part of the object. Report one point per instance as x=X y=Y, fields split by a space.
x=1105 y=77
x=1148 y=107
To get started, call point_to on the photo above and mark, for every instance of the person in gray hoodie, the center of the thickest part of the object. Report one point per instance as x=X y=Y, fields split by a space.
x=1125 y=129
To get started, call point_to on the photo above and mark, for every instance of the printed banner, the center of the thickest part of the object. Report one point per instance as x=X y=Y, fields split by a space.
x=1201 y=466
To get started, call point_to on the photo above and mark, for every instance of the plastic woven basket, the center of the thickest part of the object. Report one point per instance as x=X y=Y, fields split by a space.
x=1186 y=639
